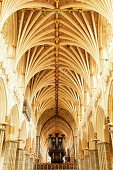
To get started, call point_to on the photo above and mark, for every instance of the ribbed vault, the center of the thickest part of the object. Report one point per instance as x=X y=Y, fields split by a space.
x=49 y=123
x=57 y=50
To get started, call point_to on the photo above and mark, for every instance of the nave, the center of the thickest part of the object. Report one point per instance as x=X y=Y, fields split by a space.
x=56 y=84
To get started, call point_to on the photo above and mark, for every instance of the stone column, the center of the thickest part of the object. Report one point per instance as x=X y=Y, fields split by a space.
x=111 y=131
x=93 y=154
x=79 y=164
x=37 y=151
x=104 y=156
x=27 y=162
x=86 y=162
x=109 y=126
x=2 y=132
x=75 y=146
x=81 y=161
x=37 y=146
x=94 y=160
x=20 y=156
x=10 y=155
x=31 y=163
x=86 y=159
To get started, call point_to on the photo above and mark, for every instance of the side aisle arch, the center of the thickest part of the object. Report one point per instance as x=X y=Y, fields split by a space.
x=102 y=130
x=14 y=124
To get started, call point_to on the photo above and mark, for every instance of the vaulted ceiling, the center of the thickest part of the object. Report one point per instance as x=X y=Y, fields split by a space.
x=57 y=49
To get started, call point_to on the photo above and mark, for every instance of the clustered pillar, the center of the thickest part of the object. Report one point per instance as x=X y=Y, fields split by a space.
x=104 y=156
x=31 y=163
x=86 y=158
x=27 y=163
x=111 y=132
x=10 y=155
x=94 y=161
x=97 y=159
x=20 y=157
x=16 y=156
x=2 y=132
x=81 y=162
x=37 y=146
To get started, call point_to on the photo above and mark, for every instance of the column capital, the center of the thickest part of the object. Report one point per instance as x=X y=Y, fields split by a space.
x=86 y=151
x=19 y=140
x=3 y=125
x=13 y=141
x=32 y=155
x=94 y=143
x=37 y=136
x=110 y=125
x=27 y=154
x=20 y=144
x=2 y=128
x=27 y=151
x=100 y=143
x=95 y=140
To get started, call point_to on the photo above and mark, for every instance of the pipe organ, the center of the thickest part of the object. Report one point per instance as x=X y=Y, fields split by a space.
x=56 y=148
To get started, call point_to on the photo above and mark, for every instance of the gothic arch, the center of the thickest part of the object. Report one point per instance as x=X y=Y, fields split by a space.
x=28 y=141
x=23 y=132
x=3 y=101
x=100 y=121
x=14 y=121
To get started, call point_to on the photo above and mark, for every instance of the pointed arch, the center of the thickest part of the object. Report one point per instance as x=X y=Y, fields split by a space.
x=23 y=132
x=100 y=121
x=14 y=121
